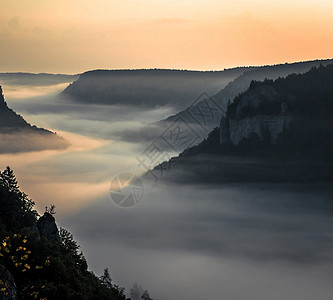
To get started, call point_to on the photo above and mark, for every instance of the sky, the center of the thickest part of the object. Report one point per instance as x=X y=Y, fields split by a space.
x=73 y=36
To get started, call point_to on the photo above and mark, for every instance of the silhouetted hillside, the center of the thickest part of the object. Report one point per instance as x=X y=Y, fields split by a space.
x=17 y=135
x=38 y=261
x=237 y=86
x=147 y=87
x=276 y=131
x=205 y=111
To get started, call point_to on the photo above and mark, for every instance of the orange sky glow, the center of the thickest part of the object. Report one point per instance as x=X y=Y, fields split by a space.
x=77 y=35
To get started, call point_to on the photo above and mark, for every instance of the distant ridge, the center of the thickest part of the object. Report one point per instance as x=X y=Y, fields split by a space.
x=239 y=85
x=35 y=79
x=148 y=88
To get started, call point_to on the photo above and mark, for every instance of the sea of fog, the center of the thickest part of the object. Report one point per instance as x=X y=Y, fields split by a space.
x=189 y=242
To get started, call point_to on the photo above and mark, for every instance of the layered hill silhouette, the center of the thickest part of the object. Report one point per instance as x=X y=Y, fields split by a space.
x=147 y=88
x=219 y=101
x=33 y=79
x=17 y=135
x=204 y=108
x=276 y=131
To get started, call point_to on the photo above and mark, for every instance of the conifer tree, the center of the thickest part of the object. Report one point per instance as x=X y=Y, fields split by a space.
x=106 y=279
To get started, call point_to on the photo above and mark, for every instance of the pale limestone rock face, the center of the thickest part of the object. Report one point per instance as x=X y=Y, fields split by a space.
x=234 y=130
x=243 y=128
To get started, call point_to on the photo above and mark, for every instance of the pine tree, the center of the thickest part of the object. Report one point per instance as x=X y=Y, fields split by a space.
x=106 y=279
x=8 y=180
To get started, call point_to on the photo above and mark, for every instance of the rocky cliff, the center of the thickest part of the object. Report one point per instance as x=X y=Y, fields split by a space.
x=233 y=88
x=250 y=117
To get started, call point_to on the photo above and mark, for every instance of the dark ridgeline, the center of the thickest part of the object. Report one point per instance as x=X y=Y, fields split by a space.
x=9 y=120
x=31 y=137
x=147 y=88
x=242 y=82
x=38 y=261
x=276 y=131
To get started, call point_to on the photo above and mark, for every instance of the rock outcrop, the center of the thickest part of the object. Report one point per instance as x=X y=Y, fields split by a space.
x=7 y=285
x=241 y=84
x=47 y=227
x=260 y=112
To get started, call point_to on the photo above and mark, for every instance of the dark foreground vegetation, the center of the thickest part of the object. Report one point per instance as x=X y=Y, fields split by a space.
x=36 y=260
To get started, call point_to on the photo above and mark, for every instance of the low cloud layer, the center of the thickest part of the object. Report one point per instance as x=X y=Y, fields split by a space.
x=16 y=142
x=178 y=233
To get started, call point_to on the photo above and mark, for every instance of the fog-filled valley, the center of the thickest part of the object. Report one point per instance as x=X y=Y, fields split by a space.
x=196 y=233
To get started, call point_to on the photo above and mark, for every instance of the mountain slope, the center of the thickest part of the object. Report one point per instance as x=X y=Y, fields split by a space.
x=276 y=131
x=205 y=112
x=148 y=88
x=237 y=86
x=39 y=261
x=17 y=135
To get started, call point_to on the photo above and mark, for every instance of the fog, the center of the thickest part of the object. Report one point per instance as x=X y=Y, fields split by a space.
x=220 y=242
x=182 y=240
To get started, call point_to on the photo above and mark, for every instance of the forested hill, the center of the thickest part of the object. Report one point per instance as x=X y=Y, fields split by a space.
x=38 y=261
x=149 y=88
x=298 y=108
x=9 y=120
x=276 y=131
x=241 y=84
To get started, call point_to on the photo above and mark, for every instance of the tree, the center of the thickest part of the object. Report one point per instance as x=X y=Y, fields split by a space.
x=106 y=279
x=16 y=209
x=43 y=269
x=146 y=296
x=50 y=209
x=8 y=180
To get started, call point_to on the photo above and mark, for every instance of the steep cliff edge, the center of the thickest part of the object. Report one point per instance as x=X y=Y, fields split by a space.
x=276 y=131
x=17 y=135
x=251 y=118
x=294 y=113
x=240 y=85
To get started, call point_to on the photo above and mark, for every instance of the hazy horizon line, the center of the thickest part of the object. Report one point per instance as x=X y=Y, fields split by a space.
x=168 y=69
